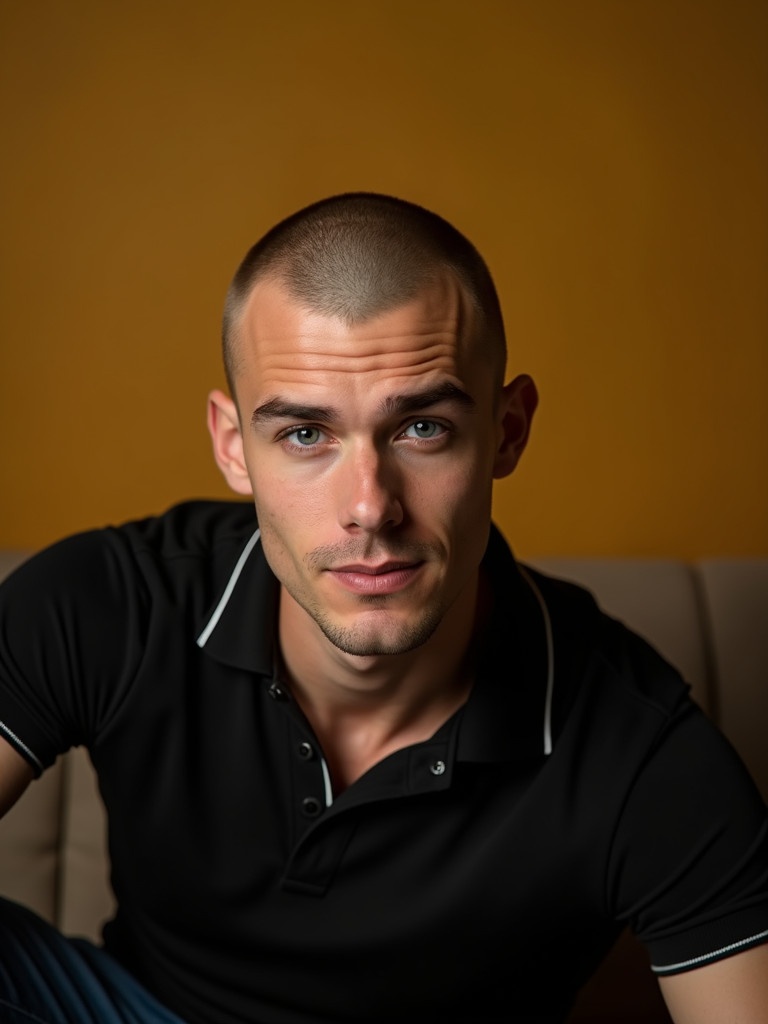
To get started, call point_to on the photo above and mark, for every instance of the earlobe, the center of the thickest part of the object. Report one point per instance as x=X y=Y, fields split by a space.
x=224 y=428
x=519 y=402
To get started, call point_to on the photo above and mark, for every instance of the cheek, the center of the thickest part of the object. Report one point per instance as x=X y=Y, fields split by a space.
x=459 y=501
x=294 y=515
x=283 y=543
x=290 y=519
x=279 y=496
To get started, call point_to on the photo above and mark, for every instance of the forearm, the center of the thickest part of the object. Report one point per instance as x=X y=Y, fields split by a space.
x=15 y=776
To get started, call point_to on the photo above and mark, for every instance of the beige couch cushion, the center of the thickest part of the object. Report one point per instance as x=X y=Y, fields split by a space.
x=84 y=893
x=735 y=603
x=30 y=836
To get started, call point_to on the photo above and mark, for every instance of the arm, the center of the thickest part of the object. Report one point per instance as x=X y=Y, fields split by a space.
x=15 y=776
x=731 y=991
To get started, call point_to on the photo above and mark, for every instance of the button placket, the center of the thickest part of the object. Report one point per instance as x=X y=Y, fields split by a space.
x=430 y=768
x=308 y=781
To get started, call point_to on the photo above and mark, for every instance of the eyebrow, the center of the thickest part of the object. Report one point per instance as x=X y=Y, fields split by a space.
x=393 y=405
x=403 y=404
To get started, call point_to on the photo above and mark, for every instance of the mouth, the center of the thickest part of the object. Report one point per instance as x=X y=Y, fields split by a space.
x=385 y=578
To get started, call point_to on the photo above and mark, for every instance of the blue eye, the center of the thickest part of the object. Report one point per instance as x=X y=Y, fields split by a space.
x=424 y=429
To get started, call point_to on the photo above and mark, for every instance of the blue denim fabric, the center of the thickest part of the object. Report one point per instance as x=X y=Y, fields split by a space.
x=46 y=978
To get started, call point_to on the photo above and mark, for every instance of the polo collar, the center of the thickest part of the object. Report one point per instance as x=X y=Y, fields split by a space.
x=239 y=629
x=507 y=715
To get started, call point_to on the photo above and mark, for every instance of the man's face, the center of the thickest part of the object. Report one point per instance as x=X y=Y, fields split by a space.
x=370 y=453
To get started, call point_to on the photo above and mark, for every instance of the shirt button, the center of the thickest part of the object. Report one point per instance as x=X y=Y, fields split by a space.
x=305 y=751
x=276 y=692
x=437 y=767
x=311 y=807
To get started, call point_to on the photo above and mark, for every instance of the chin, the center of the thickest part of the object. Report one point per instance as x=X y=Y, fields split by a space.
x=370 y=642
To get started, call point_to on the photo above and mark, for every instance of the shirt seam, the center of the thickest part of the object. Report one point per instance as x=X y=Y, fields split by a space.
x=229 y=589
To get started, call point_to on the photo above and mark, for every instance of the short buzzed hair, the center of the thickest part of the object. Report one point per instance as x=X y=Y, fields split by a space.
x=359 y=254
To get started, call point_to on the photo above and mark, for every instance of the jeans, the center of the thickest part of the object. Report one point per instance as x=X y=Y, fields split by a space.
x=46 y=978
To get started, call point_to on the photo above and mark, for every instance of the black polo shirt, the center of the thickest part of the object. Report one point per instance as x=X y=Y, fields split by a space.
x=478 y=876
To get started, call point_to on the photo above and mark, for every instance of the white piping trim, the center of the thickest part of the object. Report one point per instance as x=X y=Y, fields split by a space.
x=550 y=662
x=708 y=956
x=23 y=746
x=327 y=783
x=219 y=610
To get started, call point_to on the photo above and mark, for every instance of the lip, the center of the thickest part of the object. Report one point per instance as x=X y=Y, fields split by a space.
x=387 y=578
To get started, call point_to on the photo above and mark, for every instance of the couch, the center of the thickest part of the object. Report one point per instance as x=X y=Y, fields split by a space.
x=709 y=618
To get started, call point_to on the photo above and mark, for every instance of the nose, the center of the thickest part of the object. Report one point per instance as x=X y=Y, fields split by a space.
x=369 y=491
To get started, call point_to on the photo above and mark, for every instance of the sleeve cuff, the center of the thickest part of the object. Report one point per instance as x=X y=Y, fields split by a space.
x=30 y=750
x=709 y=942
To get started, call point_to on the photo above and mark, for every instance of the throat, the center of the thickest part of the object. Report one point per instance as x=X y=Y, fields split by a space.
x=355 y=738
x=364 y=708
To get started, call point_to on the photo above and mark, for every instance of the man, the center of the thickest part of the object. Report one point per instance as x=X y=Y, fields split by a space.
x=358 y=764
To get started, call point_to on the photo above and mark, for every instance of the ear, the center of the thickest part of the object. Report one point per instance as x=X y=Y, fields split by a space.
x=518 y=404
x=224 y=428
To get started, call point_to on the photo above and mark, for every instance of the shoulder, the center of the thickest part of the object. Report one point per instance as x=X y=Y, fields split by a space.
x=78 y=619
x=110 y=583
x=193 y=532
x=599 y=656
x=191 y=528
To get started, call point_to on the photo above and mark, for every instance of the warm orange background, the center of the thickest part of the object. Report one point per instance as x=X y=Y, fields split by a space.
x=609 y=158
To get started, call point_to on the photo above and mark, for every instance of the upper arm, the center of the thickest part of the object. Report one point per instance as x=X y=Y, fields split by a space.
x=690 y=856
x=15 y=775
x=734 y=990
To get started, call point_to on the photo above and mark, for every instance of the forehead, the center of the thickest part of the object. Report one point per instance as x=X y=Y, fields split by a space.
x=283 y=345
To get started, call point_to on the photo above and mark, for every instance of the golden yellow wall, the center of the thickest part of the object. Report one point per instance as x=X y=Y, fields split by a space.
x=609 y=157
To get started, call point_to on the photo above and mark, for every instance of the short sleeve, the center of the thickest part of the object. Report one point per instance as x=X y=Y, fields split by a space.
x=70 y=638
x=689 y=863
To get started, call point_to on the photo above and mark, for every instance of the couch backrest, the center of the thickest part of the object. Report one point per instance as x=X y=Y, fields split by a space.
x=734 y=600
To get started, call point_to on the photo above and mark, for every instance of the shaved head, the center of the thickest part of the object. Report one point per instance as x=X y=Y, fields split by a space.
x=360 y=254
